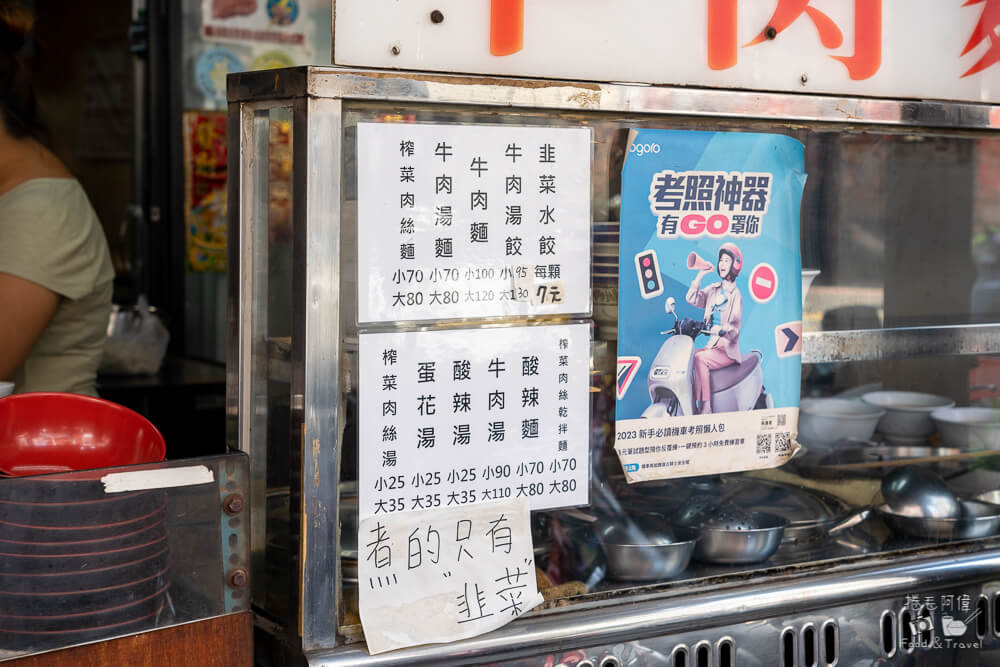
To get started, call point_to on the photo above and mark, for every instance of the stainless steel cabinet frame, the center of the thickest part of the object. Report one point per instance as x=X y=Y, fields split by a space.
x=306 y=349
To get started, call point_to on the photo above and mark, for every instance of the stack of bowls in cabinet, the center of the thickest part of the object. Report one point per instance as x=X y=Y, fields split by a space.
x=907 y=418
x=825 y=422
x=969 y=428
x=77 y=563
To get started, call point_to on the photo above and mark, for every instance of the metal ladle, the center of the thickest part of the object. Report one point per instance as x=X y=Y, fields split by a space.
x=917 y=492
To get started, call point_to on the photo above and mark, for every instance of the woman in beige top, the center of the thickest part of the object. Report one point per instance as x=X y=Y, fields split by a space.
x=55 y=268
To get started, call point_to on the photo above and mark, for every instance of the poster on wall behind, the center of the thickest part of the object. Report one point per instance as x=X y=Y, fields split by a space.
x=282 y=24
x=710 y=311
x=245 y=35
x=205 y=157
x=205 y=190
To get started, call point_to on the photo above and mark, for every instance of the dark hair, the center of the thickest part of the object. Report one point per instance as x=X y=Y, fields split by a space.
x=18 y=108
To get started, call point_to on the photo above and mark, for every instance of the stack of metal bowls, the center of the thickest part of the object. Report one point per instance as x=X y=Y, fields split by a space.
x=77 y=564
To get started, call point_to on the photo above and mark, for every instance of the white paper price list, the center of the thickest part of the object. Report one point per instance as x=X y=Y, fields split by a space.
x=472 y=221
x=449 y=418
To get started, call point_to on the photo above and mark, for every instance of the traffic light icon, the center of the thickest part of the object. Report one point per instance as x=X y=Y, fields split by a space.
x=648 y=270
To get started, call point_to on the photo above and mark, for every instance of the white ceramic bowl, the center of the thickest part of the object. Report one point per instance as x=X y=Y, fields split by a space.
x=907 y=413
x=6 y=389
x=968 y=428
x=823 y=421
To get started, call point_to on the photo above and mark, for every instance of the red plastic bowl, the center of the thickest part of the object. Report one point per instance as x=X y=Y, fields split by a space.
x=49 y=432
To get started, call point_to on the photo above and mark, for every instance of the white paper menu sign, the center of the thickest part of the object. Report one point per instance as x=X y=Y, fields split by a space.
x=455 y=417
x=472 y=221
x=440 y=575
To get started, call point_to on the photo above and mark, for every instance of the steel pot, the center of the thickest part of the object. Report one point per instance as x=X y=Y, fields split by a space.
x=645 y=550
x=811 y=514
x=979 y=519
x=753 y=542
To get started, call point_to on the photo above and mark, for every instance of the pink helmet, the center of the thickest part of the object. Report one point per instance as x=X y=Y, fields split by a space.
x=734 y=253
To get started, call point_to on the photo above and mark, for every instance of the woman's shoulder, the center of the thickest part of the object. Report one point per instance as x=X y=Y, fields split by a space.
x=54 y=199
x=53 y=237
x=55 y=203
x=44 y=186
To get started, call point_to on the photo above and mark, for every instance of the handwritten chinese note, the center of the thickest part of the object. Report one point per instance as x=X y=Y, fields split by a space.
x=440 y=575
x=462 y=416
x=472 y=221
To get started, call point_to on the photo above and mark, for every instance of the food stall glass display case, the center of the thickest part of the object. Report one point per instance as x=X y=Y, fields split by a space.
x=818 y=561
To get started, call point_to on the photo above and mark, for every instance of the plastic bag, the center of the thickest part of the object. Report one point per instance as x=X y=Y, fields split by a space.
x=137 y=340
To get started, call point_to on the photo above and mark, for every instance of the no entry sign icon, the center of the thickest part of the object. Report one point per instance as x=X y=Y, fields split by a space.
x=763 y=282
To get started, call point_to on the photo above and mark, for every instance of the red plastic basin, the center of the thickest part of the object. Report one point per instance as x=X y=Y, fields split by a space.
x=54 y=432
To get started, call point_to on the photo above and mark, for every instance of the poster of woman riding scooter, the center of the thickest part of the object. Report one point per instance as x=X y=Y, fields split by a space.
x=709 y=302
x=723 y=304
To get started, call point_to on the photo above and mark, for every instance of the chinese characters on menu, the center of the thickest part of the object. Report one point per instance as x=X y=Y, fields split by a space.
x=457 y=417
x=463 y=431
x=472 y=221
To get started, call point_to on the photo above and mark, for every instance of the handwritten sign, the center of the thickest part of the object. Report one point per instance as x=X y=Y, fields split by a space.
x=435 y=576
x=469 y=415
x=472 y=221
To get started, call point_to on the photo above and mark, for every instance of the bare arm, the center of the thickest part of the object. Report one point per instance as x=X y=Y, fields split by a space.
x=27 y=308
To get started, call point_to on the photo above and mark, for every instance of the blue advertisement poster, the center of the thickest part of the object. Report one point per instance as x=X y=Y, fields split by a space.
x=709 y=303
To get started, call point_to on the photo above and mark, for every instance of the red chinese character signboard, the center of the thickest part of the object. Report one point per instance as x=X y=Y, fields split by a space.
x=723 y=19
x=507 y=32
x=921 y=49
x=506 y=26
x=985 y=30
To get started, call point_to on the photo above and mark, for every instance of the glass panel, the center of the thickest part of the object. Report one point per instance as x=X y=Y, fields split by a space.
x=903 y=228
x=82 y=561
x=271 y=319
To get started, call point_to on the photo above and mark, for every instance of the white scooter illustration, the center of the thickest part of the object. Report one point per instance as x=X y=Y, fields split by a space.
x=735 y=388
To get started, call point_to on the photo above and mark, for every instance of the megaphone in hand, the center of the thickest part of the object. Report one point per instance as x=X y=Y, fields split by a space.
x=697 y=263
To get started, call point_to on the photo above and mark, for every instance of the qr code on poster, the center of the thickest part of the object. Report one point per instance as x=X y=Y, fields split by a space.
x=763 y=443
x=781 y=443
